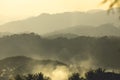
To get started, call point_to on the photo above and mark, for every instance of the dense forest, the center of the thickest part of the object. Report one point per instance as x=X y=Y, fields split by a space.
x=104 y=51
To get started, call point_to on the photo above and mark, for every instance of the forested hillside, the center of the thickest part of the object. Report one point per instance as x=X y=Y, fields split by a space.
x=102 y=51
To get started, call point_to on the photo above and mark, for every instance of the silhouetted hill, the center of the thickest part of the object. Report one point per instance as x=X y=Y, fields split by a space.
x=99 y=31
x=12 y=66
x=46 y=23
x=23 y=60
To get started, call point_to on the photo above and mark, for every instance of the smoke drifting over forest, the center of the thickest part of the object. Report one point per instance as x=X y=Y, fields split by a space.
x=69 y=42
x=103 y=51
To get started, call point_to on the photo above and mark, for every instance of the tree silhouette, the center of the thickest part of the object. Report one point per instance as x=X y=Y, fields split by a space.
x=112 y=3
x=98 y=74
x=101 y=74
x=19 y=77
x=75 y=76
x=38 y=76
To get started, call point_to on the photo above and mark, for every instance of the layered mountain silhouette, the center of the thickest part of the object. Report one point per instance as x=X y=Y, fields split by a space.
x=81 y=30
x=46 y=23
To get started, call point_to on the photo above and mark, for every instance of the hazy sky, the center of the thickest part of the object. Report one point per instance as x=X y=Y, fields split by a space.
x=19 y=9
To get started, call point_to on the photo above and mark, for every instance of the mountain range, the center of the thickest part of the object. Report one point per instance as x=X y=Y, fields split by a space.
x=82 y=30
x=46 y=23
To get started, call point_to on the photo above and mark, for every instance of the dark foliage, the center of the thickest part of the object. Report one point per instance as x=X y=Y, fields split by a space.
x=101 y=74
x=98 y=74
x=39 y=76
x=75 y=76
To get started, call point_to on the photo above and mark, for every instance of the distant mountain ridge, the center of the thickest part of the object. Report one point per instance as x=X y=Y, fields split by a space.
x=46 y=23
x=81 y=30
x=99 y=31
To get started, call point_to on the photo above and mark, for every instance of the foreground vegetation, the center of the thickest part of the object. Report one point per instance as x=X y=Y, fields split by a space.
x=98 y=74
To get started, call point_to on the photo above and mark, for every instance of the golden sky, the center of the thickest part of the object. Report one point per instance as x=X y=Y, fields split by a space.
x=19 y=9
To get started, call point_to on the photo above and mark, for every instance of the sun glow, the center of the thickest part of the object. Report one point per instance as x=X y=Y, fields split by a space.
x=20 y=9
x=58 y=73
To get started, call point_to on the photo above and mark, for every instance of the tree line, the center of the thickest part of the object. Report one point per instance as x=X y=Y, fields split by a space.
x=97 y=74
